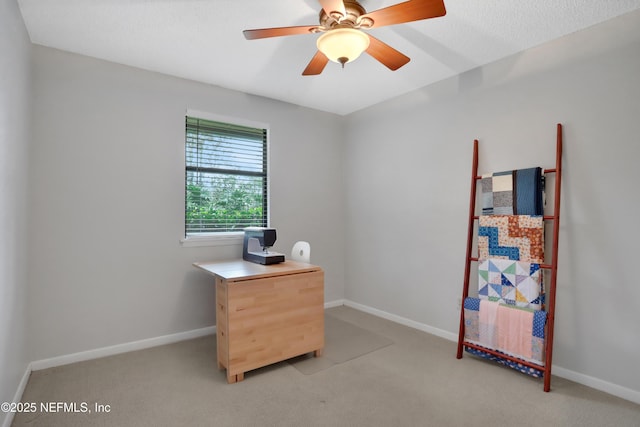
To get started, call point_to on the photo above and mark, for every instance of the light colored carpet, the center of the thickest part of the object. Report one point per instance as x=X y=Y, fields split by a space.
x=343 y=341
x=416 y=381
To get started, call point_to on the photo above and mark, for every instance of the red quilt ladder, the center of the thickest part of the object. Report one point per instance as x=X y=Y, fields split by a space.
x=553 y=267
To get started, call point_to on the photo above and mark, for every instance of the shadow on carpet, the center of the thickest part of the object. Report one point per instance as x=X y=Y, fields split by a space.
x=343 y=341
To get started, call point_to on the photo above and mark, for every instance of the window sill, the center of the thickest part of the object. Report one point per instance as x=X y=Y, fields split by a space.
x=220 y=239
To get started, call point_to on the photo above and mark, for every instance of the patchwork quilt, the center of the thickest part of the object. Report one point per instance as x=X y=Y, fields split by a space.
x=537 y=373
x=511 y=282
x=510 y=330
x=514 y=237
x=515 y=192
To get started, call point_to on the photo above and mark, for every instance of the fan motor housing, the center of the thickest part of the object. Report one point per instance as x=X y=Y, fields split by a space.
x=352 y=19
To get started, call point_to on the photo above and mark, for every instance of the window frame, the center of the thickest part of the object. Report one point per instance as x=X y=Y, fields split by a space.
x=226 y=237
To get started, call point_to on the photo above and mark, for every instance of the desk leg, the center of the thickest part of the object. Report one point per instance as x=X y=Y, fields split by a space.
x=318 y=352
x=235 y=378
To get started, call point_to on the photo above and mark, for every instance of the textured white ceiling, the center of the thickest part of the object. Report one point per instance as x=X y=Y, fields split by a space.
x=202 y=40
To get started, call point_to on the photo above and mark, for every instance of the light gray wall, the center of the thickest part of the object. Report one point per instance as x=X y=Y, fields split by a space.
x=15 y=104
x=106 y=195
x=108 y=201
x=408 y=183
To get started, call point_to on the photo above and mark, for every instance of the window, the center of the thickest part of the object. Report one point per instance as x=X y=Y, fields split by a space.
x=225 y=177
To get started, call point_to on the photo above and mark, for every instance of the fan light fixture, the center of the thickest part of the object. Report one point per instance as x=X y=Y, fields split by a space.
x=343 y=45
x=340 y=38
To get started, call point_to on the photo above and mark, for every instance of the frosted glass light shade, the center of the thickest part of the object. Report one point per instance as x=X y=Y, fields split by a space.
x=343 y=45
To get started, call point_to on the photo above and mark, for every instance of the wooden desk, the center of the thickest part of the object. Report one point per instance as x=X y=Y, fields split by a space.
x=266 y=313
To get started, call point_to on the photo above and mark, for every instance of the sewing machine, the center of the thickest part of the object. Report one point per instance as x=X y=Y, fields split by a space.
x=257 y=241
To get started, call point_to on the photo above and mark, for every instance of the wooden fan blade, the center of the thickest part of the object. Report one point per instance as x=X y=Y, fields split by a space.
x=384 y=53
x=317 y=64
x=277 y=32
x=412 y=10
x=333 y=6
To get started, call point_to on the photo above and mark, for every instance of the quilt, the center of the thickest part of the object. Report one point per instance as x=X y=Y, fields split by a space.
x=514 y=237
x=511 y=282
x=515 y=331
x=514 y=192
x=537 y=373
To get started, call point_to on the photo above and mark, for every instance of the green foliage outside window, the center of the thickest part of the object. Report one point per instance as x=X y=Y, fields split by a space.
x=226 y=176
x=230 y=206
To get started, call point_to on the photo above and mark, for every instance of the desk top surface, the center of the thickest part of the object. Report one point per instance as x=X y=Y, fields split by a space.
x=243 y=270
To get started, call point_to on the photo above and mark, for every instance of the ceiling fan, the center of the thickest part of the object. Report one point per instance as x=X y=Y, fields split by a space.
x=343 y=40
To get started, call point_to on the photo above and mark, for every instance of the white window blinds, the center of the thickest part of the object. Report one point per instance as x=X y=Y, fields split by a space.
x=226 y=177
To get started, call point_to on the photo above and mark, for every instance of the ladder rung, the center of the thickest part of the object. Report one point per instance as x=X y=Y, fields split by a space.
x=545 y=217
x=552 y=170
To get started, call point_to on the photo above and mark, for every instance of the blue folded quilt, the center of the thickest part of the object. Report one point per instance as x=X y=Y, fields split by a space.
x=537 y=373
x=515 y=192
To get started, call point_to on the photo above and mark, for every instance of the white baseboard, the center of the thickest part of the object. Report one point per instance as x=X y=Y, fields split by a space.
x=130 y=346
x=120 y=348
x=598 y=384
x=595 y=383
x=336 y=303
x=102 y=352
x=403 y=321
x=18 y=396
